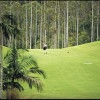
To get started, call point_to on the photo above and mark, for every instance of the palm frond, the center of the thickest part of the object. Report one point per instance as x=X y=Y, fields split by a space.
x=10 y=17
x=7 y=75
x=9 y=28
x=15 y=85
x=18 y=86
x=18 y=74
x=27 y=50
x=7 y=55
x=6 y=30
x=28 y=61
x=16 y=32
x=6 y=85
x=37 y=70
x=33 y=81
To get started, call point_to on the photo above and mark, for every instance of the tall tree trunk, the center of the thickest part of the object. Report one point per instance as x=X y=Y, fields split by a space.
x=92 y=24
x=36 y=27
x=41 y=29
x=75 y=28
x=10 y=39
x=64 y=28
x=55 y=32
x=31 y=28
x=62 y=39
x=98 y=22
x=13 y=38
x=77 y=18
x=26 y=26
x=67 y=25
x=58 y=23
x=45 y=22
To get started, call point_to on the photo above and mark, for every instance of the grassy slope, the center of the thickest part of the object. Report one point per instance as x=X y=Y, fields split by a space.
x=69 y=75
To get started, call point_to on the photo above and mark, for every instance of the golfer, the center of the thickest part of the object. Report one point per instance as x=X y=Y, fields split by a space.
x=44 y=48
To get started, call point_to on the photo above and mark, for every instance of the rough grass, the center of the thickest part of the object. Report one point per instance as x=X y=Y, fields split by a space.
x=72 y=72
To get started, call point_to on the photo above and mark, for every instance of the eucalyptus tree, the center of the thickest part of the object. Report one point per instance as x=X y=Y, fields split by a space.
x=19 y=11
x=18 y=14
x=55 y=26
x=72 y=23
x=45 y=22
x=64 y=24
x=52 y=24
x=36 y=26
x=67 y=24
x=95 y=20
x=77 y=16
x=92 y=30
x=41 y=34
x=26 y=27
x=31 y=21
x=58 y=24
x=98 y=10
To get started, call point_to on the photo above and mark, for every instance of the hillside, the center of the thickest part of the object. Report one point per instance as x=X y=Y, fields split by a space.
x=72 y=72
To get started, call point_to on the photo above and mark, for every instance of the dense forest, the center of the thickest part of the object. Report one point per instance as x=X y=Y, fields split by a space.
x=59 y=24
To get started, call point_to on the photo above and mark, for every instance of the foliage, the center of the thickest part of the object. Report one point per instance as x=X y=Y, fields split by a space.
x=49 y=17
x=18 y=67
x=9 y=26
x=83 y=37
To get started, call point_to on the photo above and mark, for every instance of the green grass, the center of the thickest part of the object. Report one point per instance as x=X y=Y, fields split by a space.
x=69 y=75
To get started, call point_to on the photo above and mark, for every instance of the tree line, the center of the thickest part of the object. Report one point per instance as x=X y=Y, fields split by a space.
x=59 y=24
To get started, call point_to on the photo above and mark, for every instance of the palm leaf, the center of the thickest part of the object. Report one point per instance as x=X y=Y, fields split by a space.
x=9 y=28
x=10 y=17
x=15 y=85
x=7 y=74
x=28 y=61
x=6 y=30
x=18 y=86
x=7 y=55
x=33 y=81
x=37 y=70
